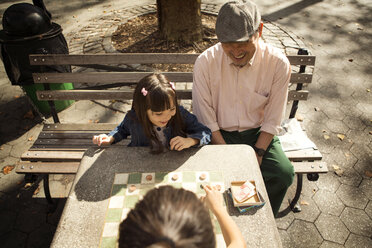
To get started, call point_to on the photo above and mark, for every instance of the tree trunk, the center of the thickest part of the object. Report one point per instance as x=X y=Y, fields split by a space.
x=180 y=20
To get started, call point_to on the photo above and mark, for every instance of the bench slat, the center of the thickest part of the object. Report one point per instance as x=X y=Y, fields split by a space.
x=123 y=58
x=82 y=142
x=299 y=95
x=136 y=58
x=79 y=127
x=68 y=135
x=52 y=155
x=131 y=77
x=97 y=94
x=305 y=154
x=310 y=167
x=106 y=77
x=48 y=167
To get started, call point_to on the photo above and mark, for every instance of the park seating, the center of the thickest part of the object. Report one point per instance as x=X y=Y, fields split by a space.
x=59 y=147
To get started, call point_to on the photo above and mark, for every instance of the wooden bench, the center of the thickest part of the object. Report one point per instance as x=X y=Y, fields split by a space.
x=60 y=146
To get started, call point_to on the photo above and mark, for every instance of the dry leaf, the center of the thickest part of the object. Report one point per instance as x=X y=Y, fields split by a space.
x=74 y=16
x=338 y=26
x=335 y=167
x=370 y=132
x=17 y=96
x=29 y=115
x=30 y=138
x=7 y=169
x=316 y=109
x=303 y=202
x=324 y=131
x=368 y=173
x=341 y=136
x=368 y=90
x=90 y=121
x=347 y=154
x=339 y=172
x=96 y=121
x=351 y=60
x=27 y=185
x=326 y=136
x=314 y=191
x=37 y=191
x=299 y=117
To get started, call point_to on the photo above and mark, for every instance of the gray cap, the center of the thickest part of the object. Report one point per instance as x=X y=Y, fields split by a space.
x=237 y=21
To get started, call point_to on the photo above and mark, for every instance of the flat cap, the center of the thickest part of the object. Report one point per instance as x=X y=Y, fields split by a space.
x=237 y=21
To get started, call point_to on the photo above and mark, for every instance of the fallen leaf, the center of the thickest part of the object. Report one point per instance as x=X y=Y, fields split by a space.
x=368 y=90
x=347 y=154
x=7 y=169
x=339 y=172
x=303 y=202
x=29 y=115
x=368 y=173
x=16 y=96
x=299 y=117
x=30 y=138
x=335 y=167
x=370 y=132
x=90 y=121
x=316 y=109
x=74 y=16
x=338 y=26
x=326 y=136
x=112 y=101
x=324 y=131
x=351 y=60
x=96 y=121
x=341 y=136
x=314 y=191
x=360 y=28
x=27 y=185
x=37 y=191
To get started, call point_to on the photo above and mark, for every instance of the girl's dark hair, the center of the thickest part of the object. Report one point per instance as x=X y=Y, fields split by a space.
x=158 y=98
x=168 y=217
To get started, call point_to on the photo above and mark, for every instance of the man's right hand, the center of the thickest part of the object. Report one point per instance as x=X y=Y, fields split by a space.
x=103 y=139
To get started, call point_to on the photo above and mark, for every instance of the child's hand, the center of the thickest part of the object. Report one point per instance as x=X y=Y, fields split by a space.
x=213 y=198
x=103 y=139
x=179 y=143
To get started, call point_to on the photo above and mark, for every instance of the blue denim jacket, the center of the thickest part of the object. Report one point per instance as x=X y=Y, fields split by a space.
x=131 y=126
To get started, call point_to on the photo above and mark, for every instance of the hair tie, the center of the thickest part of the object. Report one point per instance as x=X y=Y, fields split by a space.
x=167 y=240
x=172 y=85
x=144 y=91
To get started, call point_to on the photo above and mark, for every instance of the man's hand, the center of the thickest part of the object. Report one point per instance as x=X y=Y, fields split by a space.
x=103 y=139
x=179 y=143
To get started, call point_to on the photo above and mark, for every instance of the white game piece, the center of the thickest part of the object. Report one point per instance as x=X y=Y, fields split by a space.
x=202 y=176
x=174 y=177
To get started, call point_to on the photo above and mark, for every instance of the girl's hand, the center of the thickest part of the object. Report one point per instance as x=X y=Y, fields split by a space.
x=103 y=139
x=213 y=198
x=179 y=143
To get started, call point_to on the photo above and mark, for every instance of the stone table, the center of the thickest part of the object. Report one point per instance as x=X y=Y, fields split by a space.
x=82 y=221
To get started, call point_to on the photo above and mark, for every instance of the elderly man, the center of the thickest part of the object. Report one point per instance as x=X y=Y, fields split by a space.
x=240 y=92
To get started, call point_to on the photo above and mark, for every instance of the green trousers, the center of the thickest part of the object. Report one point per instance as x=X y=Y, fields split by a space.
x=277 y=171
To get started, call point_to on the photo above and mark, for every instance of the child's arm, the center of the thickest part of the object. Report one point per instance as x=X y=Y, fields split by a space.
x=230 y=231
x=194 y=129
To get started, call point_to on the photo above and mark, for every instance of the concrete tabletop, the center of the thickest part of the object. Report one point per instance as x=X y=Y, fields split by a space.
x=83 y=217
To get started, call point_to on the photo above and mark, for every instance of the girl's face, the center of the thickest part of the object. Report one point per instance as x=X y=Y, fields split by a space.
x=161 y=119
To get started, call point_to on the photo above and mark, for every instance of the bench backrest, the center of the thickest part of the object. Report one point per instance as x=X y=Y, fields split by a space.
x=112 y=74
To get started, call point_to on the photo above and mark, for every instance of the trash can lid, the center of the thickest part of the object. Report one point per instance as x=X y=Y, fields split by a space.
x=24 y=21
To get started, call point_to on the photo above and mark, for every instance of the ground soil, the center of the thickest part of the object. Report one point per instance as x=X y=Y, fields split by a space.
x=141 y=35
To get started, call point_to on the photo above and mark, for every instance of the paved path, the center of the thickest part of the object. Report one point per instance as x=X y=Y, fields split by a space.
x=337 y=210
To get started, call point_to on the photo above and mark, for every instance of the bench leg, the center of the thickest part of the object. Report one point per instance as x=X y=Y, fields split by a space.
x=46 y=189
x=295 y=207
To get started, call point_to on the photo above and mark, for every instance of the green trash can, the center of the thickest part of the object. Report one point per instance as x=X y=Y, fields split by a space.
x=43 y=106
x=28 y=29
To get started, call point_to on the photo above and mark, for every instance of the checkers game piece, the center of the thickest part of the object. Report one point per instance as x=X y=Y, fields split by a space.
x=202 y=176
x=174 y=177
x=148 y=177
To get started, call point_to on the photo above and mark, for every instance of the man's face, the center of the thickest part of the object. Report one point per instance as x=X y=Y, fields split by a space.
x=241 y=52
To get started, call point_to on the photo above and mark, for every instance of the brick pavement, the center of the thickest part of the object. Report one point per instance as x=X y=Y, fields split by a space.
x=336 y=210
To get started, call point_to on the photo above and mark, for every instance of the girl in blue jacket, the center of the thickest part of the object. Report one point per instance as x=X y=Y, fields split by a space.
x=156 y=120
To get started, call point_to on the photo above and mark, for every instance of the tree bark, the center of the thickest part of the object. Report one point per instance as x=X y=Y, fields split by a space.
x=180 y=20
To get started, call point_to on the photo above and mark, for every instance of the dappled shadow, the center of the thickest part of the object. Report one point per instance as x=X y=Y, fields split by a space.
x=287 y=11
x=16 y=119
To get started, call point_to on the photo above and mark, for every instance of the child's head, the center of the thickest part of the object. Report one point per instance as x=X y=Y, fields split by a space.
x=168 y=218
x=155 y=103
